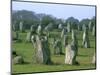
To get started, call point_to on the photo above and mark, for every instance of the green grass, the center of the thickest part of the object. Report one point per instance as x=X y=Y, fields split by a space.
x=26 y=50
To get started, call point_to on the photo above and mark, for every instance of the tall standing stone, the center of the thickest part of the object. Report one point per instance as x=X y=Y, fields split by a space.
x=86 y=42
x=72 y=50
x=64 y=38
x=21 y=27
x=74 y=39
x=94 y=31
x=90 y=26
x=69 y=27
x=42 y=51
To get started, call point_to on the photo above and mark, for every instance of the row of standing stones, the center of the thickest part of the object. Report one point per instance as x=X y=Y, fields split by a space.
x=41 y=45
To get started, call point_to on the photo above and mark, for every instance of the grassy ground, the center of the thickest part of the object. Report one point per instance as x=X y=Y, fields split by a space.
x=26 y=50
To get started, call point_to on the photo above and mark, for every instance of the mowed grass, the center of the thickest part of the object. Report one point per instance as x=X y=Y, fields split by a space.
x=84 y=57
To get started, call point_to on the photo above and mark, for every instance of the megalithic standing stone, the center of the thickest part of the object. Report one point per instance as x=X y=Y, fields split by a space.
x=94 y=31
x=28 y=36
x=39 y=30
x=21 y=27
x=90 y=26
x=60 y=26
x=74 y=39
x=42 y=52
x=32 y=28
x=69 y=27
x=70 y=54
x=71 y=51
x=86 y=42
x=64 y=38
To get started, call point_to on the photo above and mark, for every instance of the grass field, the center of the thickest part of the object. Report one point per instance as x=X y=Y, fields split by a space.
x=26 y=50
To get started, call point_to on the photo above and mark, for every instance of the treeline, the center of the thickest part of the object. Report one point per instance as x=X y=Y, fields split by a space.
x=29 y=18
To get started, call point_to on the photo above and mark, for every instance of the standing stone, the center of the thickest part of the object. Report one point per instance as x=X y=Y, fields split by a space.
x=70 y=56
x=21 y=26
x=72 y=50
x=84 y=27
x=39 y=30
x=74 y=39
x=28 y=37
x=93 y=60
x=60 y=26
x=18 y=60
x=69 y=27
x=42 y=51
x=32 y=28
x=94 y=31
x=64 y=38
x=86 y=42
x=58 y=47
x=90 y=26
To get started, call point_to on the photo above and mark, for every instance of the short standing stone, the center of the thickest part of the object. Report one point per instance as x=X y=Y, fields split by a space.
x=18 y=60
